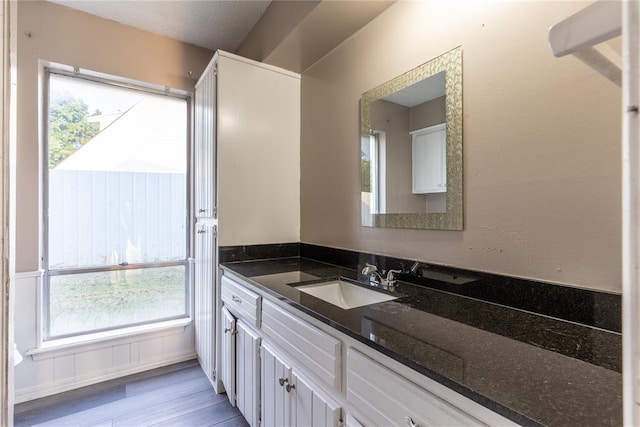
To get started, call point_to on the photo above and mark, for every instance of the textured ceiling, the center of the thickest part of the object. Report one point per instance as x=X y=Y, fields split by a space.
x=213 y=24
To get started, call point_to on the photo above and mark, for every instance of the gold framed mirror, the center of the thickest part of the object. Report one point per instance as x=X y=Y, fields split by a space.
x=411 y=148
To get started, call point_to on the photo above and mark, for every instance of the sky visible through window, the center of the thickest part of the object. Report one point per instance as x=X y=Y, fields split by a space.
x=123 y=129
x=95 y=95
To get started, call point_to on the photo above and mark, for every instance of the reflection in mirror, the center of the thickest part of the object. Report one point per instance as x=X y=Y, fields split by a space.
x=411 y=148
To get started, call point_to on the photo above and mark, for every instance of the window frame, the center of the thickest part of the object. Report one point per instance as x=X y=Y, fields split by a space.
x=48 y=69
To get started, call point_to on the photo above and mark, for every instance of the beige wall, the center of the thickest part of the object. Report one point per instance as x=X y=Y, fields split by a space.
x=428 y=113
x=541 y=143
x=54 y=33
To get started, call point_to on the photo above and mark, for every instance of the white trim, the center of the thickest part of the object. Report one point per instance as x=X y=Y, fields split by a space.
x=222 y=53
x=429 y=129
x=579 y=33
x=596 y=23
x=630 y=213
x=37 y=392
x=7 y=15
x=63 y=347
x=29 y=274
x=112 y=79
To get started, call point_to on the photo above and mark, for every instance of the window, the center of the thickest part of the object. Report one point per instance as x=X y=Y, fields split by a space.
x=116 y=209
x=373 y=159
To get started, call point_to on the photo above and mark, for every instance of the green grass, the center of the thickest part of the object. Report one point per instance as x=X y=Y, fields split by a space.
x=90 y=301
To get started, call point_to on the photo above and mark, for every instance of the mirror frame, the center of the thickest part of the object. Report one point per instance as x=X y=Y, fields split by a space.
x=451 y=63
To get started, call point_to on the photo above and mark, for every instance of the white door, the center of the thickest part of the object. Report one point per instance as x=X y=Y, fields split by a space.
x=228 y=353
x=275 y=377
x=247 y=372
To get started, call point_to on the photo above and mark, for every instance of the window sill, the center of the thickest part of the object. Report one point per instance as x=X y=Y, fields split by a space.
x=67 y=346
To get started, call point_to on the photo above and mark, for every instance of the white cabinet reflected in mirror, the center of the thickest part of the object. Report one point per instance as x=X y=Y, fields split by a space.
x=411 y=148
x=429 y=165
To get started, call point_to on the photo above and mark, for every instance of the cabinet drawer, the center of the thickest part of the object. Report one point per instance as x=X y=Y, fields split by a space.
x=316 y=351
x=387 y=398
x=241 y=301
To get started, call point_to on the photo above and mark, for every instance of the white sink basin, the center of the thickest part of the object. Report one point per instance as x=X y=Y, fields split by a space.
x=344 y=294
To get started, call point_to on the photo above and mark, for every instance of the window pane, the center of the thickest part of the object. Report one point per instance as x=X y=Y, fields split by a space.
x=117 y=175
x=81 y=303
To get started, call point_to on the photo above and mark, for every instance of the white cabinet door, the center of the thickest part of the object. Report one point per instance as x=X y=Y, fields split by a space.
x=312 y=408
x=205 y=296
x=228 y=353
x=429 y=159
x=275 y=377
x=204 y=144
x=289 y=399
x=248 y=373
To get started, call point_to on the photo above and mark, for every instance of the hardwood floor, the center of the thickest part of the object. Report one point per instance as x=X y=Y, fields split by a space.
x=177 y=395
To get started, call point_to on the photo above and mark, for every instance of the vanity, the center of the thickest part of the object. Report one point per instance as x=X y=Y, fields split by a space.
x=427 y=357
x=444 y=347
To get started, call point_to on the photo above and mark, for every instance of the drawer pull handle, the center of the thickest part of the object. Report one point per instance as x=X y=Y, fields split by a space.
x=282 y=381
x=227 y=330
x=410 y=422
x=236 y=299
x=290 y=387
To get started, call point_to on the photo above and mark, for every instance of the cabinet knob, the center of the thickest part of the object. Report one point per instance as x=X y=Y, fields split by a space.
x=290 y=387
x=410 y=422
x=227 y=330
x=283 y=380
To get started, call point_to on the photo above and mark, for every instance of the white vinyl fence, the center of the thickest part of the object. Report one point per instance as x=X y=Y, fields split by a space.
x=99 y=218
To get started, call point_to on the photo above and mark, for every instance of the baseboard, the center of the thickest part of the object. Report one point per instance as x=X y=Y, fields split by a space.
x=40 y=391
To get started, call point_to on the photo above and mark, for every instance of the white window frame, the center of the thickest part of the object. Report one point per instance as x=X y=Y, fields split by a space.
x=46 y=69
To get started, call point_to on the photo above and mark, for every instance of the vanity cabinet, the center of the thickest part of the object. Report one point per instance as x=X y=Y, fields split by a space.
x=241 y=301
x=298 y=379
x=314 y=351
x=429 y=159
x=383 y=397
x=289 y=399
x=240 y=347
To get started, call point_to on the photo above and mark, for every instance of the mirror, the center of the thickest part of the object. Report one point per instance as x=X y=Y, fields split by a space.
x=411 y=148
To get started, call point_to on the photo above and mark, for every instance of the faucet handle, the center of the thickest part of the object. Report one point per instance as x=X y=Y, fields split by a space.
x=369 y=269
x=391 y=275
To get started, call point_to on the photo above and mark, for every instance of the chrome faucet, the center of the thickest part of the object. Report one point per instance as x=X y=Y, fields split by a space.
x=377 y=279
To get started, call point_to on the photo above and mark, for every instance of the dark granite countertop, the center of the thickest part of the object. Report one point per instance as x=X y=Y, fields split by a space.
x=530 y=368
